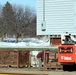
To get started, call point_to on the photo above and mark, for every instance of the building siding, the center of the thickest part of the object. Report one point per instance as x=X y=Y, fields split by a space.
x=59 y=16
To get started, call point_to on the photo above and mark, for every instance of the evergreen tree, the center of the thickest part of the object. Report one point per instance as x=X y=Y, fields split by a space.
x=9 y=18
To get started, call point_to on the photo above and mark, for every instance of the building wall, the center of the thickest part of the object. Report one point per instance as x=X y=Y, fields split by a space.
x=59 y=17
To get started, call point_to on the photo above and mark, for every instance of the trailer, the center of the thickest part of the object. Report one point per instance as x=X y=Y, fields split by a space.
x=51 y=61
x=15 y=58
x=55 y=17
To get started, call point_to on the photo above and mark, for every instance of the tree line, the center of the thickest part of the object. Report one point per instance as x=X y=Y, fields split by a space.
x=17 y=21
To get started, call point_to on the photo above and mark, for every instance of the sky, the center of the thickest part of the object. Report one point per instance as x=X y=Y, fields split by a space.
x=30 y=3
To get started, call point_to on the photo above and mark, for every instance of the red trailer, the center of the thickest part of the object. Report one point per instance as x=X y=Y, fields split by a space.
x=15 y=58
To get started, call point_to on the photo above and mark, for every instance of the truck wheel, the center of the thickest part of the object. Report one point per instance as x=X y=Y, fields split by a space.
x=68 y=67
x=65 y=67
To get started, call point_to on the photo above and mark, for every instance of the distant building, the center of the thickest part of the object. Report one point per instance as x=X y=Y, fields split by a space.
x=56 y=16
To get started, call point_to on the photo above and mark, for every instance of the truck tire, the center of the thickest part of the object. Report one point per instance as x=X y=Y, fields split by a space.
x=64 y=67
x=69 y=67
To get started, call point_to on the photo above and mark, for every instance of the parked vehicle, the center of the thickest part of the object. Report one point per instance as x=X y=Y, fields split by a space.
x=67 y=52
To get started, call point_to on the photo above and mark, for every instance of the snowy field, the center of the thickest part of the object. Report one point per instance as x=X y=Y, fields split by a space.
x=27 y=43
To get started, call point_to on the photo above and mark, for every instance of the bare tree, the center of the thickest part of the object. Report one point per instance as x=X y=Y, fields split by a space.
x=19 y=13
x=24 y=19
x=29 y=16
x=33 y=25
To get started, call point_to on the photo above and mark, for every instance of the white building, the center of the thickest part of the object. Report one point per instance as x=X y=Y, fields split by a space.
x=56 y=16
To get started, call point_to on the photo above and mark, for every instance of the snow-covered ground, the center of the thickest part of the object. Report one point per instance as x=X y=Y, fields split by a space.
x=22 y=44
x=27 y=43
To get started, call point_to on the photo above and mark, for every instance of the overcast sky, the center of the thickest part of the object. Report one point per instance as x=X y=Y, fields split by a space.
x=31 y=3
